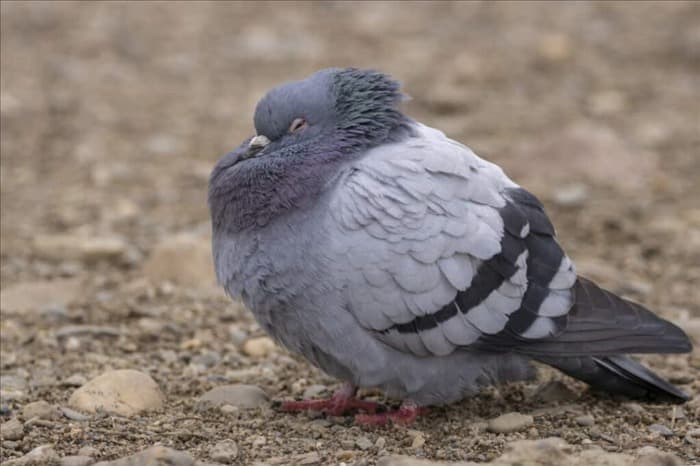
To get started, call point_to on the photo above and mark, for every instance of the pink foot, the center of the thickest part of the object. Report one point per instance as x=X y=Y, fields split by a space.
x=340 y=403
x=406 y=414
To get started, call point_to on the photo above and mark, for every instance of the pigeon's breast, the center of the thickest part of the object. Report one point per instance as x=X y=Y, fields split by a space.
x=276 y=270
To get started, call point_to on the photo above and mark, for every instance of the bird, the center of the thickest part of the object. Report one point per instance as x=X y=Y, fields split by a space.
x=393 y=257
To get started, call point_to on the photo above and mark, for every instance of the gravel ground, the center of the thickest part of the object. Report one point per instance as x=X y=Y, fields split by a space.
x=114 y=113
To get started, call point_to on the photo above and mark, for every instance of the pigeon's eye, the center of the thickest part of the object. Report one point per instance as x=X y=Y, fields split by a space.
x=297 y=125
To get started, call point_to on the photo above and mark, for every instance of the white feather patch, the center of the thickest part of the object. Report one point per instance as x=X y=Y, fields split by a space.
x=458 y=270
x=541 y=327
x=435 y=341
x=557 y=303
x=486 y=320
x=565 y=276
x=459 y=331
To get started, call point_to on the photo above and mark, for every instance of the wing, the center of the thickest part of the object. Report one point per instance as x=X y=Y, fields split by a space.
x=438 y=249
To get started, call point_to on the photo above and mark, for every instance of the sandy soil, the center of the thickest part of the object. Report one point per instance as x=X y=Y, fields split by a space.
x=114 y=113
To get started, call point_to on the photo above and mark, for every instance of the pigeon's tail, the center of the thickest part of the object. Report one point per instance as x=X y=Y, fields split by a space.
x=601 y=329
x=618 y=374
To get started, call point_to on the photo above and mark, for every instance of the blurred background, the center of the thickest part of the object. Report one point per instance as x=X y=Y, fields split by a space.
x=113 y=113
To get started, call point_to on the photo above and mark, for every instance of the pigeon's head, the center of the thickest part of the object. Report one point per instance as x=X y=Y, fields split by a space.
x=354 y=109
x=296 y=111
x=305 y=131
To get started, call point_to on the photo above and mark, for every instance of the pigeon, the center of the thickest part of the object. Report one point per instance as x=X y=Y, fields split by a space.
x=392 y=257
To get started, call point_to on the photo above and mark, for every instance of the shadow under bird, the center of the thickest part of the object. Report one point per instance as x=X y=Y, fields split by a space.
x=391 y=256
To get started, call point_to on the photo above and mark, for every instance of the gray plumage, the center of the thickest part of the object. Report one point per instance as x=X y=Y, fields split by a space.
x=391 y=256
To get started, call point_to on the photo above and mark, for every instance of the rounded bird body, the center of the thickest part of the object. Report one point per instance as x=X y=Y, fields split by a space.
x=391 y=256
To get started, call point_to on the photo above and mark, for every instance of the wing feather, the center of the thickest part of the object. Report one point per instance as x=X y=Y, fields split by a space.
x=438 y=249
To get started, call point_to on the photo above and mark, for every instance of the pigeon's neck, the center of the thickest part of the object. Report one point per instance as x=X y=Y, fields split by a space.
x=366 y=109
x=358 y=138
x=250 y=195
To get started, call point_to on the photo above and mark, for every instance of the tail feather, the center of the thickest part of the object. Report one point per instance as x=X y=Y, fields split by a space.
x=601 y=329
x=618 y=374
x=601 y=323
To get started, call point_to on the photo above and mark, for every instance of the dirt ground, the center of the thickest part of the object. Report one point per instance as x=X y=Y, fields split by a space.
x=114 y=113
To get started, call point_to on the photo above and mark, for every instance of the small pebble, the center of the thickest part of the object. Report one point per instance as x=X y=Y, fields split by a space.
x=574 y=195
x=75 y=380
x=91 y=330
x=693 y=437
x=224 y=452
x=106 y=248
x=555 y=47
x=89 y=451
x=347 y=444
x=168 y=356
x=312 y=391
x=157 y=455
x=229 y=409
x=54 y=312
x=241 y=375
x=9 y=445
x=41 y=455
x=192 y=343
x=418 y=442
x=652 y=456
x=661 y=429
x=76 y=461
x=633 y=407
x=71 y=344
x=258 y=347
x=586 y=420
x=363 y=443
x=74 y=415
x=344 y=455
x=40 y=409
x=12 y=383
x=237 y=335
x=241 y=396
x=681 y=379
x=309 y=459
x=124 y=392
x=35 y=421
x=12 y=430
x=510 y=422
x=151 y=326
x=193 y=370
x=207 y=359
x=480 y=426
x=554 y=391
x=677 y=412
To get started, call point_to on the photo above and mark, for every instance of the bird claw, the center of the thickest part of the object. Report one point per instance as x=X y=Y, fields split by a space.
x=330 y=406
x=342 y=402
x=405 y=415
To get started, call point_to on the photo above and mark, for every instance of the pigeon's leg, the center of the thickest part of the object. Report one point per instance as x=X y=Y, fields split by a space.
x=342 y=401
x=406 y=414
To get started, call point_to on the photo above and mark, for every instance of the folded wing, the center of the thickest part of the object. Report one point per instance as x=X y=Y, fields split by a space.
x=439 y=249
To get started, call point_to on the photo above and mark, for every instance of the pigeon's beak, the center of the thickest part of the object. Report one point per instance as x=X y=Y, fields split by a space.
x=258 y=142
x=255 y=145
